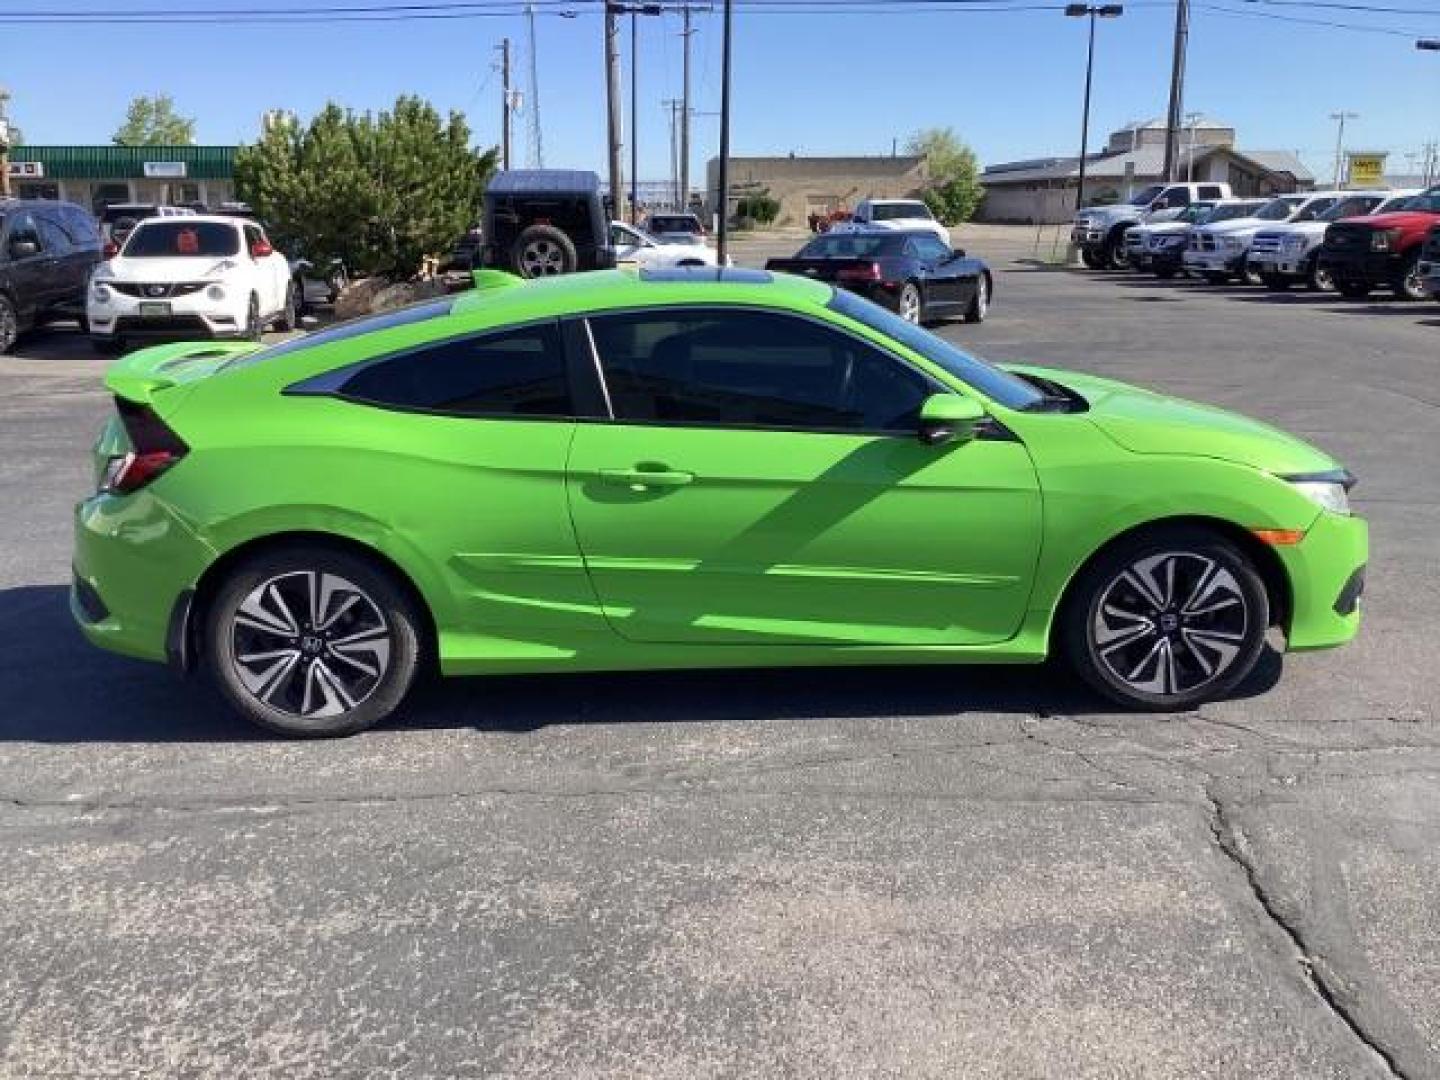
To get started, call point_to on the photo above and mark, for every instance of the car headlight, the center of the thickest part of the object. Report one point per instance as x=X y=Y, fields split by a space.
x=1328 y=490
x=1384 y=239
x=100 y=293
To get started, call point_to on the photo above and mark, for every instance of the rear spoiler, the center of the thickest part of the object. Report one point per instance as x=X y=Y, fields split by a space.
x=140 y=375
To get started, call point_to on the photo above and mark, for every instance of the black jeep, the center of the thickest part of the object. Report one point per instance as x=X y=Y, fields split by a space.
x=546 y=221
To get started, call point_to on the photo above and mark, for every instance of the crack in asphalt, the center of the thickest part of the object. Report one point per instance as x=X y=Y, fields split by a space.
x=1229 y=839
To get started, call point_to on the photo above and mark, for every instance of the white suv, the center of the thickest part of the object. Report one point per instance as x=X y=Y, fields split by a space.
x=191 y=277
x=900 y=214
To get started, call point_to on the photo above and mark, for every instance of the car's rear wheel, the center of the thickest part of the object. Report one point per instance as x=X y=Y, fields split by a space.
x=9 y=325
x=1167 y=620
x=309 y=641
x=543 y=251
x=290 y=313
x=980 y=304
x=910 y=304
x=253 y=328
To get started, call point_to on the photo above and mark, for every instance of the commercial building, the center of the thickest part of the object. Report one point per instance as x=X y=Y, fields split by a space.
x=816 y=185
x=96 y=176
x=1042 y=191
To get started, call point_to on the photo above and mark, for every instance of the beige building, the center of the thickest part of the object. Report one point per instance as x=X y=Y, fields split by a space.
x=1042 y=191
x=816 y=185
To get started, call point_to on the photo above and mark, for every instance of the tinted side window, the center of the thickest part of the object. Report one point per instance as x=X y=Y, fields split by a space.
x=1210 y=191
x=930 y=247
x=52 y=236
x=517 y=373
x=24 y=228
x=79 y=226
x=1177 y=197
x=752 y=369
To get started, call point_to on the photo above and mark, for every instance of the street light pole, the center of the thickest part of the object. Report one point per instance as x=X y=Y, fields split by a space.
x=1077 y=11
x=634 y=120
x=1340 y=142
x=723 y=237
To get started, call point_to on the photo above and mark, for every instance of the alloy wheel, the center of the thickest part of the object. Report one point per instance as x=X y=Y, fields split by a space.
x=310 y=644
x=982 y=298
x=1170 y=623
x=542 y=258
x=910 y=304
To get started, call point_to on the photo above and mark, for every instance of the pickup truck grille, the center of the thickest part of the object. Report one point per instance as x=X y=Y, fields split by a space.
x=1341 y=237
x=1266 y=242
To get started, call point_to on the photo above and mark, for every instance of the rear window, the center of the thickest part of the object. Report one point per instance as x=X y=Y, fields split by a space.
x=893 y=211
x=384 y=320
x=673 y=223
x=179 y=239
x=851 y=246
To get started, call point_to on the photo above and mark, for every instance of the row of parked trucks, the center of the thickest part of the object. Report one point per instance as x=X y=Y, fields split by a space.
x=1351 y=241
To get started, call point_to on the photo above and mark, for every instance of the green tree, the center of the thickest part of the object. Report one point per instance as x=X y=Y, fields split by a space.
x=954 y=192
x=378 y=191
x=153 y=121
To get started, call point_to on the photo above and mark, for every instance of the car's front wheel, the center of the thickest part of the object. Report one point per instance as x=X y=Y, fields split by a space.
x=980 y=304
x=309 y=641
x=1167 y=620
x=910 y=305
x=1408 y=284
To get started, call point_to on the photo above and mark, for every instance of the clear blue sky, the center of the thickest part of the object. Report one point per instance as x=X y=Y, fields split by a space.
x=1008 y=83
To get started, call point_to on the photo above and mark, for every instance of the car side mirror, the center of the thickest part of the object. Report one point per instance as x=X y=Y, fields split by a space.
x=23 y=249
x=958 y=253
x=949 y=418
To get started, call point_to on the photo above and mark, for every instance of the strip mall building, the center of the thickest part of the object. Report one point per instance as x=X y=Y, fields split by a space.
x=97 y=176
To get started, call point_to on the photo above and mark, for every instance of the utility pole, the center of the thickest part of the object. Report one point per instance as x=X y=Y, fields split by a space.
x=505 y=103
x=1340 y=143
x=1191 y=120
x=672 y=106
x=686 y=33
x=536 y=152
x=1177 y=87
x=634 y=120
x=4 y=146
x=614 y=132
x=723 y=239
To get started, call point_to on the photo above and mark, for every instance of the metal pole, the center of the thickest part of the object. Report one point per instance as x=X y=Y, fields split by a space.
x=634 y=120
x=723 y=244
x=613 y=120
x=685 y=116
x=1177 y=87
x=1085 y=116
x=1342 y=116
x=505 y=100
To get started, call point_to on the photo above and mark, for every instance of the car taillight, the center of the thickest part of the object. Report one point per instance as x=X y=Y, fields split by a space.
x=110 y=250
x=867 y=271
x=154 y=449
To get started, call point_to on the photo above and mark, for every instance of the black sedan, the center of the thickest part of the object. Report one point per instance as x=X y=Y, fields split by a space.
x=913 y=273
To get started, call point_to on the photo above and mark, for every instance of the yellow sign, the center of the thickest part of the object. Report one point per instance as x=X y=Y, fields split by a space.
x=1366 y=170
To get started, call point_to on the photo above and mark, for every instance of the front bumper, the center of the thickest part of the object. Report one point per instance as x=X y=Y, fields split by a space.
x=1214 y=262
x=1326 y=572
x=1166 y=258
x=133 y=561
x=1087 y=237
x=1283 y=263
x=194 y=315
x=1370 y=267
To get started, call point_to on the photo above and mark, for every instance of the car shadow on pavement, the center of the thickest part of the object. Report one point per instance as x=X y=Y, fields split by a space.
x=57 y=688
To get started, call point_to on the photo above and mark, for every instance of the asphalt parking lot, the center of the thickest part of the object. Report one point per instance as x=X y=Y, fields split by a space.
x=899 y=872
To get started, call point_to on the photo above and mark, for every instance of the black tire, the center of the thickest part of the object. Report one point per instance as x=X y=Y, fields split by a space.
x=254 y=329
x=111 y=346
x=1408 y=284
x=312 y=697
x=1275 y=282
x=1249 y=277
x=980 y=302
x=1319 y=279
x=1165 y=274
x=1114 y=253
x=9 y=324
x=1214 y=277
x=1353 y=290
x=1091 y=259
x=1166 y=662
x=289 y=317
x=543 y=251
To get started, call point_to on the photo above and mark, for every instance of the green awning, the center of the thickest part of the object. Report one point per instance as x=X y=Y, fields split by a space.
x=127 y=162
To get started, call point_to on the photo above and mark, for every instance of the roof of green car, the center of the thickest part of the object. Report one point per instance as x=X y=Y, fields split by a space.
x=514 y=299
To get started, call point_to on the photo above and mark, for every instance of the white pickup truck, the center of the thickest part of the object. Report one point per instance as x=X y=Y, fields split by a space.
x=902 y=214
x=1287 y=254
x=1219 y=252
x=1099 y=231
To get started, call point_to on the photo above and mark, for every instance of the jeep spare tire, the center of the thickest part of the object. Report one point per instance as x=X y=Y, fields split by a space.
x=541 y=251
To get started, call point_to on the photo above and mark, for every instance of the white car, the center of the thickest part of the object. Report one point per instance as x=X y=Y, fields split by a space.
x=635 y=247
x=906 y=214
x=204 y=276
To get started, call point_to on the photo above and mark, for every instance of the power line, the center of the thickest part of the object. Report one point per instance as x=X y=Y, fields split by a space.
x=1274 y=16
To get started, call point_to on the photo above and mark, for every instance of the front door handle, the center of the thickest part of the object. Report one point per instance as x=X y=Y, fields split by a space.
x=642 y=477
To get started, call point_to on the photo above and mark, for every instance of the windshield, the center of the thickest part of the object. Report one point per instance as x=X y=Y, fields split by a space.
x=178 y=239
x=384 y=320
x=1000 y=386
x=1146 y=196
x=1352 y=207
x=894 y=211
x=1196 y=212
x=673 y=223
x=1277 y=210
x=851 y=246
x=1427 y=203
x=1230 y=211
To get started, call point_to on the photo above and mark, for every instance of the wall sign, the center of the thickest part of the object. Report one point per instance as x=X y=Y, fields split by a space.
x=1366 y=170
x=27 y=170
x=165 y=170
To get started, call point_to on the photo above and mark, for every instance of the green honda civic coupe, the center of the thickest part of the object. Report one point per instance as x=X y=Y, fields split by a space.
x=684 y=469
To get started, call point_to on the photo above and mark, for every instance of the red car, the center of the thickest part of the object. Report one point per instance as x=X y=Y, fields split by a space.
x=1382 y=250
